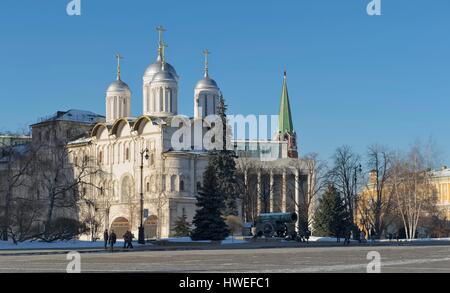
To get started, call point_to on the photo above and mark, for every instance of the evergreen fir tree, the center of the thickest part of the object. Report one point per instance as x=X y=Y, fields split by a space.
x=182 y=227
x=208 y=220
x=225 y=166
x=331 y=218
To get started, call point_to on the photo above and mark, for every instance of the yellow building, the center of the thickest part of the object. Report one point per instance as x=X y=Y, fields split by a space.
x=364 y=214
x=441 y=180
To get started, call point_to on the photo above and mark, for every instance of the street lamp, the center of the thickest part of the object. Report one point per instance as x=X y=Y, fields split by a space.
x=141 y=238
x=358 y=170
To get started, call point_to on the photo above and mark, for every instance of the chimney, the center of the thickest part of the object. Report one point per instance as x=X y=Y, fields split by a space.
x=373 y=177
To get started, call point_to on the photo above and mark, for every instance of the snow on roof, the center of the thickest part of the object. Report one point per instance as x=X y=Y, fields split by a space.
x=73 y=115
x=81 y=140
x=444 y=172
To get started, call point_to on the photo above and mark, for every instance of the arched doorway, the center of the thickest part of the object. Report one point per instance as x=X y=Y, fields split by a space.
x=151 y=227
x=127 y=192
x=120 y=226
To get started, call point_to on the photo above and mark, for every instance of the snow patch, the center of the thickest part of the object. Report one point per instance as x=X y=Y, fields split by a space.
x=229 y=240
x=72 y=244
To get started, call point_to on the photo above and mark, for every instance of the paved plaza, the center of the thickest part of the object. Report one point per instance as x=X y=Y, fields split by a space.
x=410 y=259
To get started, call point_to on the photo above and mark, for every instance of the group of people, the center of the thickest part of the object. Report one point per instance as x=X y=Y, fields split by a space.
x=128 y=240
x=111 y=238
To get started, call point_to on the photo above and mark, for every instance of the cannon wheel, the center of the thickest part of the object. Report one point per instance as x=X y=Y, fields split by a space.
x=282 y=232
x=268 y=230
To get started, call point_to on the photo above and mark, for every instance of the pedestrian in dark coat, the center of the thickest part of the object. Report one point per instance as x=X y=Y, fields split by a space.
x=308 y=234
x=130 y=237
x=106 y=238
x=125 y=239
x=112 y=240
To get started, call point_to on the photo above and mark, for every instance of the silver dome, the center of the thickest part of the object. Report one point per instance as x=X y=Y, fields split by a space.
x=156 y=67
x=164 y=75
x=206 y=83
x=118 y=86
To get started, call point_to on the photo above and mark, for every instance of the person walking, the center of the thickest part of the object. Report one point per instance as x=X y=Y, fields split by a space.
x=130 y=240
x=106 y=238
x=362 y=237
x=112 y=240
x=308 y=234
x=125 y=239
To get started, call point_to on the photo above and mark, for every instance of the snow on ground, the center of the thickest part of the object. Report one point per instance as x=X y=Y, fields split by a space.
x=229 y=240
x=79 y=244
x=4 y=245
x=333 y=239
x=416 y=240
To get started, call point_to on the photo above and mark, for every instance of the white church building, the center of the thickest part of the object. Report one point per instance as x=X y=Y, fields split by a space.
x=135 y=155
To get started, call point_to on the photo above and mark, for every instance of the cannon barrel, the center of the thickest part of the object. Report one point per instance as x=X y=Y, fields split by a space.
x=279 y=217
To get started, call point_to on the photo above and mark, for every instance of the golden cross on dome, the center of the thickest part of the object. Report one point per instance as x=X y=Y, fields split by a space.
x=161 y=31
x=206 y=52
x=119 y=57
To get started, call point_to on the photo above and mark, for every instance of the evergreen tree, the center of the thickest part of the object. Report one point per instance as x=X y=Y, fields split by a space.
x=225 y=166
x=331 y=218
x=182 y=227
x=208 y=220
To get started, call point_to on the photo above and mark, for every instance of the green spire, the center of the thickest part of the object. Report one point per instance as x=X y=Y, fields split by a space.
x=285 y=118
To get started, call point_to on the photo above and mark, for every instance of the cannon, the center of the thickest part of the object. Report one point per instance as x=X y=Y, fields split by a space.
x=276 y=224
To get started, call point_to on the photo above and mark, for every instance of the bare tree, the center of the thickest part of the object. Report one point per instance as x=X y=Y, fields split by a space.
x=16 y=162
x=246 y=167
x=95 y=206
x=376 y=203
x=24 y=218
x=310 y=180
x=344 y=175
x=161 y=201
x=61 y=182
x=414 y=193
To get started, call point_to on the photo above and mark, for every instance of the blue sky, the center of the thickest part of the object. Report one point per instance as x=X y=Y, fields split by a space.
x=353 y=79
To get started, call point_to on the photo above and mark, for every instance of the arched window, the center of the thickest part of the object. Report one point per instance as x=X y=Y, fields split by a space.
x=127 y=193
x=100 y=157
x=181 y=185
x=154 y=100
x=161 y=96
x=172 y=183
x=151 y=159
x=152 y=183
x=127 y=154
x=206 y=106
x=147 y=188
x=163 y=183
x=170 y=108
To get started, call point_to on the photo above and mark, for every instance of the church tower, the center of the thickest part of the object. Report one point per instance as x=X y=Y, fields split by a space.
x=206 y=94
x=118 y=98
x=286 y=130
x=160 y=85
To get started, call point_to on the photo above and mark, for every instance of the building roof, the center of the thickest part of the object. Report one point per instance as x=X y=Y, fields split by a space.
x=444 y=172
x=285 y=118
x=73 y=115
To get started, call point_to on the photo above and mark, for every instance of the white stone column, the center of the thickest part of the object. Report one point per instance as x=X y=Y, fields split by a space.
x=193 y=175
x=258 y=194
x=284 y=193
x=271 y=192
x=297 y=198
x=244 y=209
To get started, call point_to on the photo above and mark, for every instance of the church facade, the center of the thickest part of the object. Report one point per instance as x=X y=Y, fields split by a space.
x=134 y=158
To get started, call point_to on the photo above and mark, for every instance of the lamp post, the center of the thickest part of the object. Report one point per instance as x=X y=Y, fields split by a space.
x=358 y=170
x=141 y=238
